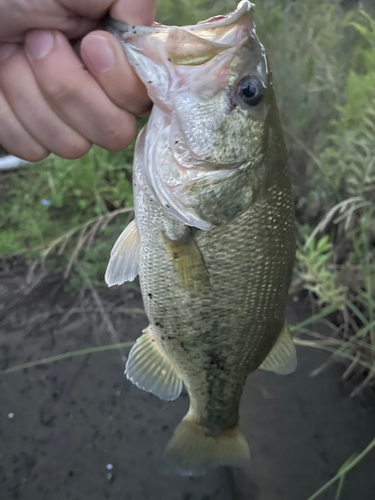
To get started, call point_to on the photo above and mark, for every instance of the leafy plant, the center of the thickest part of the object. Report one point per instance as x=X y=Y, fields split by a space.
x=318 y=274
x=49 y=199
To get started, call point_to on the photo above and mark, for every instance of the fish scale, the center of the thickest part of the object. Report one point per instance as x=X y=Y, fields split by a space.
x=245 y=294
x=213 y=236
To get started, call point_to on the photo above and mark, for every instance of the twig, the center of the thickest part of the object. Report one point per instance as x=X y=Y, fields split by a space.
x=73 y=258
x=360 y=387
x=63 y=239
x=318 y=345
x=322 y=367
x=103 y=312
x=352 y=365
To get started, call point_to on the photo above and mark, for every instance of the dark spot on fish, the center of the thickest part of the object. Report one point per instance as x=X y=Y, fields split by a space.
x=169 y=59
x=169 y=337
x=216 y=361
x=176 y=142
x=149 y=81
x=150 y=295
x=182 y=344
x=133 y=27
x=175 y=255
x=159 y=324
x=167 y=206
x=152 y=340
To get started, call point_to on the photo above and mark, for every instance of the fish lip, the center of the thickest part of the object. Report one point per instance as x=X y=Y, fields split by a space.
x=242 y=8
x=123 y=31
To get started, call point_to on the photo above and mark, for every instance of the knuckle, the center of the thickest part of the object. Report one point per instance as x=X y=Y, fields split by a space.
x=119 y=135
x=75 y=151
x=62 y=92
x=24 y=148
x=33 y=154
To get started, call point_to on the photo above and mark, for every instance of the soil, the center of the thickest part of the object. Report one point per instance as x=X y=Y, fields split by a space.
x=77 y=429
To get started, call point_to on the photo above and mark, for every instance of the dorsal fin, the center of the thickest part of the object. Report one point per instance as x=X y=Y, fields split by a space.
x=282 y=358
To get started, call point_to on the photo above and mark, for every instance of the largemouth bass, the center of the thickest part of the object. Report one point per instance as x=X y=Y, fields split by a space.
x=213 y=235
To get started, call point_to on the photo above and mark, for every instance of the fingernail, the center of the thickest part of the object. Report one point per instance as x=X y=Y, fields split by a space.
x=6 y=50
x=98 y=54
x=39 y=44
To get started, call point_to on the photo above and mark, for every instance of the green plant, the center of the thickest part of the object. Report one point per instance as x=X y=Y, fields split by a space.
x=342 y=472
x=319 y=274
x=48 y=199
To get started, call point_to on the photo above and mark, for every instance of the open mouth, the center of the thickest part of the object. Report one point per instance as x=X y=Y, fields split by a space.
x=124 y=31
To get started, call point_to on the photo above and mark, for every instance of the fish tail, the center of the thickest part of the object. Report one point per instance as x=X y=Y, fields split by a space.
x=193 y=450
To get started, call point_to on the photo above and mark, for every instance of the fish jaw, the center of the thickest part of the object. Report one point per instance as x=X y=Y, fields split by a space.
x=162 y=55
x=198 y=194
x=192 y=72
x=204 y=149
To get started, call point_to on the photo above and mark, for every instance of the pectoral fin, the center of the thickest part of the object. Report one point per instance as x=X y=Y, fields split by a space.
x=188 y=262
x=282 y=358
x=124 y=260
x=150 y=369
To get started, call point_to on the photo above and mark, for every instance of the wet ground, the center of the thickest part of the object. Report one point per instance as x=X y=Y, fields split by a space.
x=76 y=429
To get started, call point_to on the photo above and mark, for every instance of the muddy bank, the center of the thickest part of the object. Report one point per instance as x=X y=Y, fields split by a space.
x=76 y=429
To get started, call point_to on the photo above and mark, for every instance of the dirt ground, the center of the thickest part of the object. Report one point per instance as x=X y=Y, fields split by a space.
x=77 y=429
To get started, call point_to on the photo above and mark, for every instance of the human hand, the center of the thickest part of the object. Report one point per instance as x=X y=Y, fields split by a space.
x=50 y=100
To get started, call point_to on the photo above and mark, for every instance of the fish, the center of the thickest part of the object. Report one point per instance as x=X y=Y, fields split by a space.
x=213 y=238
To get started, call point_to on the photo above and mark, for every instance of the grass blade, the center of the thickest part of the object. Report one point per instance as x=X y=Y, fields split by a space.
x=59 y=357
x=344 y=469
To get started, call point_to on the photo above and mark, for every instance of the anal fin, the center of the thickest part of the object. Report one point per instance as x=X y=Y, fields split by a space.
x=150 y=369
x=124 y=261
x=282 y=358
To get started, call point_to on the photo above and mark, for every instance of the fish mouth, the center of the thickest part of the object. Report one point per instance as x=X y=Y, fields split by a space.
x=124 y=31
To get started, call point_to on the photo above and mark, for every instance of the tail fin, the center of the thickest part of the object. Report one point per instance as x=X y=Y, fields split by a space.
x=192 y=451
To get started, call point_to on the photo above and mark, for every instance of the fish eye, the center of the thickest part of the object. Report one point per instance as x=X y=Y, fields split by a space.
x=251 y=90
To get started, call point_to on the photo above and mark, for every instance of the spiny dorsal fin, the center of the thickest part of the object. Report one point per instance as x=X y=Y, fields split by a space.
x=124 y=260
x=150 y=369
x=282 y=358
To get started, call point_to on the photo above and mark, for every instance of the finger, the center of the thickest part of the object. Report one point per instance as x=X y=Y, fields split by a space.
x=13 y=27
x=104 y=57
x=15 y=138
x=93 y=9
x=19 y=87
x=75 y=96
x=140 y=12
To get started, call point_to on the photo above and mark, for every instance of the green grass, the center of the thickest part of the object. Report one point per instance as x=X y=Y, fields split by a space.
x=323 y=62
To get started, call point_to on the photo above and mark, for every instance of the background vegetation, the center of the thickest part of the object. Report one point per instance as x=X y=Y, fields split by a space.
x=322 y=54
